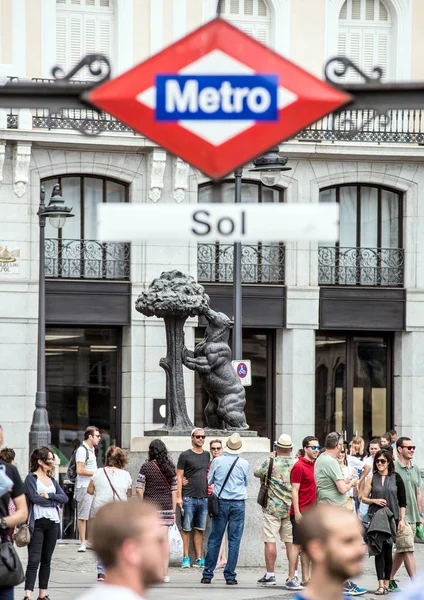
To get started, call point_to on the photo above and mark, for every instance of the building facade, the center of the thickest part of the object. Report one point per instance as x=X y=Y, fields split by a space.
x=335 y=332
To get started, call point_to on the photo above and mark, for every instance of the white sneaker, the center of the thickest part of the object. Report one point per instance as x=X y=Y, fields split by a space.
x=166 y=579
x=89 y=545
x=82 y=548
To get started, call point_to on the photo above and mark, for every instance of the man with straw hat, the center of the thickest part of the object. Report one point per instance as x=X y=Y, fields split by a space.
x=276 y=515
x=232 y=500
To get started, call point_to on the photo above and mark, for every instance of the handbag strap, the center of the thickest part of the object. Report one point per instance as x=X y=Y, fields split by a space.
x=268 y=477
x=163 y=476
x=228 y=476
x=115 y=493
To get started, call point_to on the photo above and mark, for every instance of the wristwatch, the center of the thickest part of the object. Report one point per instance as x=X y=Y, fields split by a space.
x=3 y=524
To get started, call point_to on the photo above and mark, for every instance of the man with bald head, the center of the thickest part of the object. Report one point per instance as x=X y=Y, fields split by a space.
x=331 y=536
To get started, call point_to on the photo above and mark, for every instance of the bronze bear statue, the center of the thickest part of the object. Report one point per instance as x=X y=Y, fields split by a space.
x=212 y=360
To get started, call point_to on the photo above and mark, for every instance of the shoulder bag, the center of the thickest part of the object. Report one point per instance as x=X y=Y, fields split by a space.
x=262 y=499
x=163 y=476
x=11 y=571
x=115 y=493
x=22 y=533
x=213 y=499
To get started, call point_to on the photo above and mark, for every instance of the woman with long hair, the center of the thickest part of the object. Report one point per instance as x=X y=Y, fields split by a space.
x=357 y=447
x=157 y=482
x=385 y=489
x=112 y=483
x=44 y=496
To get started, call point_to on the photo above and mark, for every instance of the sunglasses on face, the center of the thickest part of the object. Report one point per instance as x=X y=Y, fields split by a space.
x=199 y=437
x=314 y=447
x=410 y=448
x=215 y=449
x=381 y=461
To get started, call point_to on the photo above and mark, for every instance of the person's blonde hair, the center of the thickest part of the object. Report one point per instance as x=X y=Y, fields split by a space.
x=358 y=440
x=215 y=442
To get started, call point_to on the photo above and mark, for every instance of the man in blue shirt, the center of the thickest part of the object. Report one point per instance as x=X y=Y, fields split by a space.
x=232 y=500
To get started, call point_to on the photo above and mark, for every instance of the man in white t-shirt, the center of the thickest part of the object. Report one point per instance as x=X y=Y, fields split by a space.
x=86 y=463
x=132 y=544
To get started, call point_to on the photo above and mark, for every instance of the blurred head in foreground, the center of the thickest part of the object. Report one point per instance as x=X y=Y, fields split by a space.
x=130 y=541
x=332 y=538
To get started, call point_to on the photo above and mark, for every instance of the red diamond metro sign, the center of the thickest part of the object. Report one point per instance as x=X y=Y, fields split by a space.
x=217 y=98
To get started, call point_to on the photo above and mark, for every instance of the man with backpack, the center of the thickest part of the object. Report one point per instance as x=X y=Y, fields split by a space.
x=85 y=467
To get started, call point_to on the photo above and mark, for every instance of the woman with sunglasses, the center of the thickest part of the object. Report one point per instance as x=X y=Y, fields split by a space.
x=44 y=497
x=385 y=489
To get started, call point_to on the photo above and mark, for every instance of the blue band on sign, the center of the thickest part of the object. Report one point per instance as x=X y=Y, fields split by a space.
x=217 y=97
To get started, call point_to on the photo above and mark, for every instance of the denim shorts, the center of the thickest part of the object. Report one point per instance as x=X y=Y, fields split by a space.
x=195 y=513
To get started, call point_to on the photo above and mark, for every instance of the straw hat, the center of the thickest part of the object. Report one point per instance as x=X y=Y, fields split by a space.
x=234 y=444
x=284 y=442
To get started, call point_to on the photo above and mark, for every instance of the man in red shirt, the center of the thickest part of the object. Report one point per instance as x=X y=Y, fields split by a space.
x=304 y=496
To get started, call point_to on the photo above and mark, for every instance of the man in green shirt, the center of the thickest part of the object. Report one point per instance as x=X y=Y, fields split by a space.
x=411 y=477
x=331 y=484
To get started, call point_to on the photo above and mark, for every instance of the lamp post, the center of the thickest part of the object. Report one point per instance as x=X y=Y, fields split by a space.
x=57 y=212
x=269 y=167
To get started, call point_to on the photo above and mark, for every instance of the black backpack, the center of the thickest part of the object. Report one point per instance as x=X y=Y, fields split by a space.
x=71 y=472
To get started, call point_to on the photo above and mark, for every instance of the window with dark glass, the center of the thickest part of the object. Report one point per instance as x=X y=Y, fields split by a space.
x=369 y=250
x=353 y=385
x=74 y=252
x=261 y=263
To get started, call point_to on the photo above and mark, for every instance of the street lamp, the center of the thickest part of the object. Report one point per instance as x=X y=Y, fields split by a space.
x=269 y=167
x=57 y=213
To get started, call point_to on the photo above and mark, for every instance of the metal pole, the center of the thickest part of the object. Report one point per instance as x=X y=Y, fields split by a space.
x=39 y=434
x=237 y=288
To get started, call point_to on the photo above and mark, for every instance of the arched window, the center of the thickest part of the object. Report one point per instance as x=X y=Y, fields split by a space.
x=261 y=263
x=365 y=36
x=370 y=246
x=251 y=16
x=83 y=27
x=74 y=252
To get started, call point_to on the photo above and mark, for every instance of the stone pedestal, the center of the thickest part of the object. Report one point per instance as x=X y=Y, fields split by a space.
x=255 y=451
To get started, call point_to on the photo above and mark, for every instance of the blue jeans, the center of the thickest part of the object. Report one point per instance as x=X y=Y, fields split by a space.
x=6 y=593
x=195 y=513
x=231 y=514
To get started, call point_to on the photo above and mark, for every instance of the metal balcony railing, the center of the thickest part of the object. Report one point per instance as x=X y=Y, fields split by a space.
x=261 y=263
x=360 y=266
x=398 y=126
x=87 y=259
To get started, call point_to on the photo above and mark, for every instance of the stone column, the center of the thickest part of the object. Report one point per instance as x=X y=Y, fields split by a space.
x=409 y=388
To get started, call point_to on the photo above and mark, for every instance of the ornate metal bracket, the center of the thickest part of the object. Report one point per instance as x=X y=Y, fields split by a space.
x=340 y=65
x=61 y=93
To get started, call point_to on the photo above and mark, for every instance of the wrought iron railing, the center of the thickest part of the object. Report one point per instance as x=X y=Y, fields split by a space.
x=87 y=259
x=261 y=263
x=360 y=266
x=397 y=126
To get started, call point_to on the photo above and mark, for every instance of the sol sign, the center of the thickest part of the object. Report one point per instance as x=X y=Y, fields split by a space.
x=218 y=222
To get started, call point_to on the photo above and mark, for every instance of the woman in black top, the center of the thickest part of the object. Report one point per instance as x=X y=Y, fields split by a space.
x=385 y=488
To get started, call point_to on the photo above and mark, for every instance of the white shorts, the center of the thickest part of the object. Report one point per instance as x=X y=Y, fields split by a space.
x=84 y=502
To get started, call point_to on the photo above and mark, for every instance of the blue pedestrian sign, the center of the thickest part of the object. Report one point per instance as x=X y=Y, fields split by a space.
x=243 y=370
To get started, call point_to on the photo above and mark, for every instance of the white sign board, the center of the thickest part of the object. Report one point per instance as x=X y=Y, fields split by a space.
x=9 y=258
x=243 y=370
x=218 y=222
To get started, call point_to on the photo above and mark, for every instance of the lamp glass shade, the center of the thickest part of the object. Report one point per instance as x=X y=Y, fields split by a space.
x=57 y=221
x=270 y=178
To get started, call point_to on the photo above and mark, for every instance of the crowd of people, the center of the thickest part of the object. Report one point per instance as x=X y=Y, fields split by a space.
x=379 y=486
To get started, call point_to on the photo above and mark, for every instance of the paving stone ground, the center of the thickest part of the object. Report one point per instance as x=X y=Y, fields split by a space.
x=73 y=573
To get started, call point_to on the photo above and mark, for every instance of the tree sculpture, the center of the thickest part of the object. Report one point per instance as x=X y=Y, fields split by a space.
x=174 y=297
